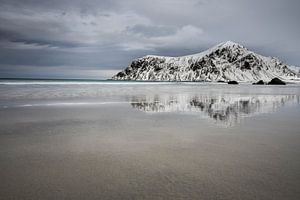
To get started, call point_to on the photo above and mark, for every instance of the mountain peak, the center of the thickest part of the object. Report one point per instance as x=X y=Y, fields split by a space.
x=229 y=44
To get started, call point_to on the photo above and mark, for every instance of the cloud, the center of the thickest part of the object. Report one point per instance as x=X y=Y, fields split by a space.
x=108 y=34
x=150 y=30
x=27 y=71
x=153 y=37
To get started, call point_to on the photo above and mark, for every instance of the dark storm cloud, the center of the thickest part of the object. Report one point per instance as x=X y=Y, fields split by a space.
x=107 y=34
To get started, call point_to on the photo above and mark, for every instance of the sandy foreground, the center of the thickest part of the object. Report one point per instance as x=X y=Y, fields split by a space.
x=116 y=152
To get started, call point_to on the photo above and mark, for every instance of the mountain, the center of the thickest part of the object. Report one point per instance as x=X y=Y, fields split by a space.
x=224 y=62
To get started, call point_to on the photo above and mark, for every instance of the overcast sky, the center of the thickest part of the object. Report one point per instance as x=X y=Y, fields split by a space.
x=95 y=38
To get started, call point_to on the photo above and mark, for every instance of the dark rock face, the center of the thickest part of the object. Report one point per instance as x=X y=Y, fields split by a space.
x=276 y=81
x=261 y=82
x=233 y=82
x=247 y=66
x=121 y=74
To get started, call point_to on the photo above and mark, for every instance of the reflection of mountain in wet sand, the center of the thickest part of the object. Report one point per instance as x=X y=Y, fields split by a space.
x=227 y=110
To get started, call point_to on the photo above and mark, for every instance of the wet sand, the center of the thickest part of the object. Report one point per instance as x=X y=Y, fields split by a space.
x=117 y=152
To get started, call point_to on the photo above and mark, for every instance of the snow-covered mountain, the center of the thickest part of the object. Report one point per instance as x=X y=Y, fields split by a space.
x=224 y=62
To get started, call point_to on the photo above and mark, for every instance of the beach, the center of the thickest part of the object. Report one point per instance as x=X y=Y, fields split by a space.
x=118 y=140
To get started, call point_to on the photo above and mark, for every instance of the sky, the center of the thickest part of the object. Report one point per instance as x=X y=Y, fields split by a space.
x=97 y=38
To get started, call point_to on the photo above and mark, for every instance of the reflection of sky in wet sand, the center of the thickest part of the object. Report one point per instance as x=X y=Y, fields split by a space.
x=227 y=110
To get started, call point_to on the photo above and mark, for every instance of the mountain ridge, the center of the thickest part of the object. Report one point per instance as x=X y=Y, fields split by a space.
x=227 y=61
